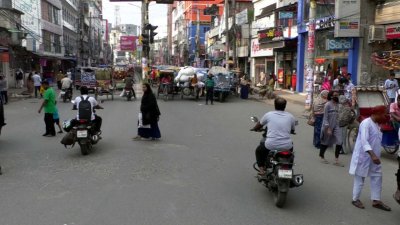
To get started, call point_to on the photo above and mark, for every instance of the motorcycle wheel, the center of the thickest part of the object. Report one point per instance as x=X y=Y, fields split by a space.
x=84 y=149
x=391 y=149
x=280 y=198
x=65 y=98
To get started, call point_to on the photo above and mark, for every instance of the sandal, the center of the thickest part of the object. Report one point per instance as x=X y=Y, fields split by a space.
x=338 y=164
x=324 y=161
x=382 y=206
x=358 y=204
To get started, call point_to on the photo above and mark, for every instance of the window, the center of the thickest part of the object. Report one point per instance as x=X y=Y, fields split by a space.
x=56 y=19
x=47 y=41
x=57 y=43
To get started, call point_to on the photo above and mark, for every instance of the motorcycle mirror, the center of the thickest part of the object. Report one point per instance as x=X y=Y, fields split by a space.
x=254 y=119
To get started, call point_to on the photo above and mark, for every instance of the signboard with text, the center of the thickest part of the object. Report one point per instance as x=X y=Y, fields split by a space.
x=339 y=44
x=392 y=31
x=348 y=14
x=270 y=34
x=256 y=51
x=128 y=43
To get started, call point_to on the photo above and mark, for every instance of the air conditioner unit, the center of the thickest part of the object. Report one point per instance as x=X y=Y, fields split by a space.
x=376 y=33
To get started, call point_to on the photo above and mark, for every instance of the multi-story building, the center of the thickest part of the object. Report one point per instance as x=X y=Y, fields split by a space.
x=124 y=53
x=11 y=35
x=70 y=9
x=189 y=25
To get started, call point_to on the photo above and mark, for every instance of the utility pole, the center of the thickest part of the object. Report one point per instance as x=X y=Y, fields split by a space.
x=311 y=56
x=90 y=39
x=226 y=11
x=144 y=21
x=234 y=36
x=198 y=38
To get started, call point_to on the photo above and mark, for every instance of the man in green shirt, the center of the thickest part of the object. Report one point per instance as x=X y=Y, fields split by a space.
x=49 y=105
x=210 y=89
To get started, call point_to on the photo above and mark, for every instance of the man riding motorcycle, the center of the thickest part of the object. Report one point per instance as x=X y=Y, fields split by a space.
x=66 y=84
x=129 y=82
x=279 y=125
x=96 y=120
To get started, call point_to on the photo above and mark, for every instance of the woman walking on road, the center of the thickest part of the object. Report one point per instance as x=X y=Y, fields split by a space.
x=150 y=115
x=331 y=133
x=318 y=111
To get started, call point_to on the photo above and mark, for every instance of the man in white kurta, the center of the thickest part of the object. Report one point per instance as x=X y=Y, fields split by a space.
x=365 y=161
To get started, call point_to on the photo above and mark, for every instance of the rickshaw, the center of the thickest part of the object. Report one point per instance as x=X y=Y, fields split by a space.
x=166 y=90
x=104 y=82
x=223 y=82
x=183 y=81
x=367 y=98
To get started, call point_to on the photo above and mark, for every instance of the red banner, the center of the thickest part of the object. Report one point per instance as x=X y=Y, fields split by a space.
x=128 y=43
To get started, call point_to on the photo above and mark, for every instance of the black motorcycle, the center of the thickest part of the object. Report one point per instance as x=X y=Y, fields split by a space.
x=279 y=175
x=82 y=132
x=66 y=94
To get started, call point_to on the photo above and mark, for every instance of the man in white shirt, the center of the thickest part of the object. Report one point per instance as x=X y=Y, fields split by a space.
x=280 y=125
x=37 y=82
x=97 y=120
x=66 y=84
x=391 y=86
x=365 y=161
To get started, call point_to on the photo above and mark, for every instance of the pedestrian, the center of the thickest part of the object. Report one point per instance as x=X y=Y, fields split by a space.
x=19 y=77
x=56 y=118
x=49 y=105
x=210 y=89
x=391 y=86
x=318 y=112
x=395 y=119
x=59 y=77
x=30 y=84
x=3 y=89
x=150 y=114
x=37 y=82
x=331 y=133
x=366 y=162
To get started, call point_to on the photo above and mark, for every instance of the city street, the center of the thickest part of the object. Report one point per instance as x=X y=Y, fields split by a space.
x=200 y=173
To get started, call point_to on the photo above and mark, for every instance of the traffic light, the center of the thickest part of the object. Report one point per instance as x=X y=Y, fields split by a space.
x=145 y=39
x=151 y=28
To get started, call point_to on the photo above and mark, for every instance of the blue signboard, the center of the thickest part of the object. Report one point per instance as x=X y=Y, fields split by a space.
x=285 y=15
x=339 y=44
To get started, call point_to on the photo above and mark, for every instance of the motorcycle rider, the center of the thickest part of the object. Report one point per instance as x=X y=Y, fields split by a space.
x=129 y=82
x=279 y=125
x=96 y=120
x=66 y=84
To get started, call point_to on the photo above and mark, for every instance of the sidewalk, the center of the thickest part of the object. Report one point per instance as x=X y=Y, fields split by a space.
x=16 y=93
x=290 y=96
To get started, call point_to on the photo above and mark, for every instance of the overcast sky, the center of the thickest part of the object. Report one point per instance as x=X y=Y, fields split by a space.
x=130 y=14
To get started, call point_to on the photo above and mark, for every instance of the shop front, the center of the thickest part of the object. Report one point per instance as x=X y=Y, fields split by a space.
x=286 y=58
x=262 y=63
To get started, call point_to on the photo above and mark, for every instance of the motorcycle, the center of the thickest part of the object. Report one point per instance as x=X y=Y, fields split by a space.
x=279 y=174
x=82 y=132
x=129 y=92
x=66 y=95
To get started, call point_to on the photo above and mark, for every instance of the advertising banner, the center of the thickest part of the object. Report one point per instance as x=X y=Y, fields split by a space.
x=392 y=31
x=128 y=43
x=347 y=14
x=256 y=51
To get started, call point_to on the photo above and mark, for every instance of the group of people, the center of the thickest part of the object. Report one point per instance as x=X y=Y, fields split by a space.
x=328 y=131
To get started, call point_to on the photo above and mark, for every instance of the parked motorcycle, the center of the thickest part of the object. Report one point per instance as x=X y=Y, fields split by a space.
x=279 y=176
x=66 y=95
x=82 y=132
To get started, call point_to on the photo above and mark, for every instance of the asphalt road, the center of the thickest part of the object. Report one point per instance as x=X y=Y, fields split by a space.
x=199 y=173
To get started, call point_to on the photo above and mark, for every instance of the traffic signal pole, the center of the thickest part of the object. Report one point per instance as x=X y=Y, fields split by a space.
x=145 y=18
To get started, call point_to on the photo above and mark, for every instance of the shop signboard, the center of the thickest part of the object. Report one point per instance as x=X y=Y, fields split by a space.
x=241 y=18
x=256 y=51
x=348 y=14
x=128 y=43
x=339 y=44
x=285 y=15
x=392 y=31
x=270 y=34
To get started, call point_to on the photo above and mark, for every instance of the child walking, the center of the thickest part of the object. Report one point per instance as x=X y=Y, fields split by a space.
x=56 y=119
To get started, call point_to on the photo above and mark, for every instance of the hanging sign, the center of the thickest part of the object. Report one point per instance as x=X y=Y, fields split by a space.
x=392 y=31
x=285 y=15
